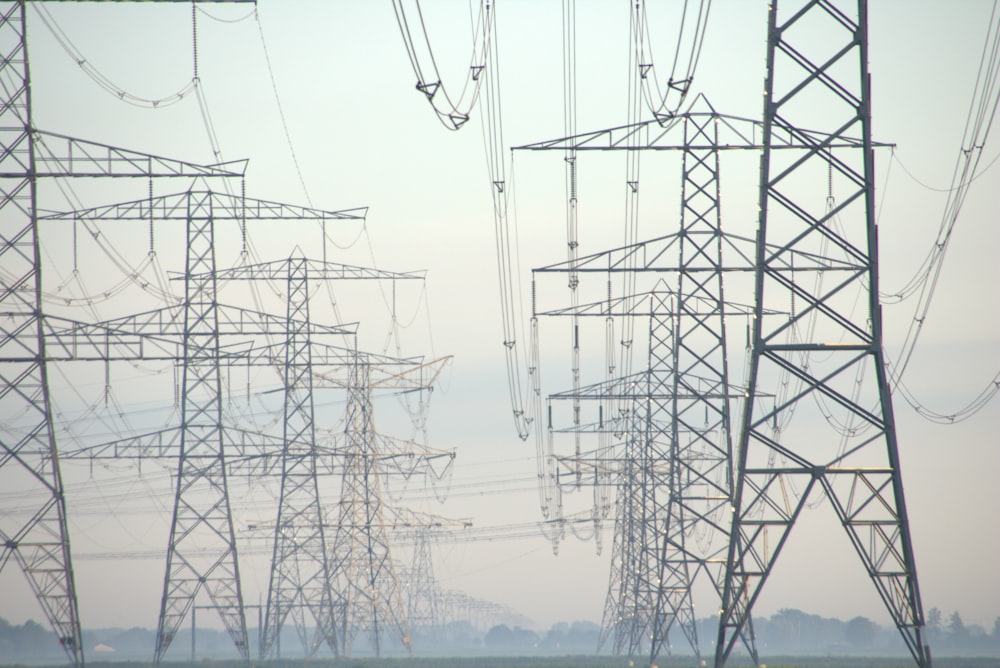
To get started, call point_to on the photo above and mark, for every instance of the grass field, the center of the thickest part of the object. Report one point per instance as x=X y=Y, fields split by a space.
x=547 y=662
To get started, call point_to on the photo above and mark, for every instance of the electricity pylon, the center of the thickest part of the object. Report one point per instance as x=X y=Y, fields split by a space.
x=201 y=552
x=300 y=580
x=842 y=442
x=40 y=545
x=367 y=592
x=674 y=472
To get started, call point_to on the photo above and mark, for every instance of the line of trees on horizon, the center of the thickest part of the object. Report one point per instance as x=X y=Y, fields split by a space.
x=788 y=632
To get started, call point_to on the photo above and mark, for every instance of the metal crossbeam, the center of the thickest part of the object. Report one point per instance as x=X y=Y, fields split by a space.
x=224 y=206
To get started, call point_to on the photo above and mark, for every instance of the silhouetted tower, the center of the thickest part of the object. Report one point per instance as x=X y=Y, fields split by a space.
x=842 y=442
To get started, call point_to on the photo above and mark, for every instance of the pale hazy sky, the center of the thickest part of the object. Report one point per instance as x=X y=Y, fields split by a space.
x=364 y=136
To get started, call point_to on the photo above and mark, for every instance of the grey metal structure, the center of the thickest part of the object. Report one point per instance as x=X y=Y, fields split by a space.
x=673 y=466
x=300 y=580
x=366 y=588
x=842 y=441
x=40 y=544
x=201 y=550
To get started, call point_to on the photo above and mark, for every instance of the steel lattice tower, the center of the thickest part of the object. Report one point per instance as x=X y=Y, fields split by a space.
x=830 y=345
x=201 y=552
x=300 y=582
x=40 y=545
x=421 y=587
x=366 y=590
x=700 y=486
x=674 y=472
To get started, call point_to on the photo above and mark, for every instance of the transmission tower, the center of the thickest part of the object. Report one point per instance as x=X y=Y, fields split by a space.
x=673 y=472
x=40 y=545
x=366 y=587
x=300 y=581
x=830 y=346
x=201 y=552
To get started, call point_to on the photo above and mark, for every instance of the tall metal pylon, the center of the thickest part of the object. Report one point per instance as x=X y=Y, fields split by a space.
x=842 y=442
x=366 y=587
x=201 y=552
x=367 y=591
x=40 y=545
x=673 y=471
x=300 y=581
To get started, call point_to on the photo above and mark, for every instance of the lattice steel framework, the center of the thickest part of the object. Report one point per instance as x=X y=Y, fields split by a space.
x=694 y=536
x=300 y=582
x=298 y=565
x=366 y=593
x=829 y=348
x=673 y=473
x=697 y=534
x=645 y=488
x=421 y=587
x=40 y=545
x=201 y=552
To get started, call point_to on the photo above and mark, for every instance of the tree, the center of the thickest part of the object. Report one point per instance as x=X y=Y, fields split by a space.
x=934 y=619
x=996 y=628
x=861 y=632
x=499 y=636
x=956 y=626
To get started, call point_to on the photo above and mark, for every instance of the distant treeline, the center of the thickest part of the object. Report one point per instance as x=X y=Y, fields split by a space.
x=788 y=633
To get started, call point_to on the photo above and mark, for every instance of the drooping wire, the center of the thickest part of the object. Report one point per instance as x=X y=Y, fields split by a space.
x=99 y=78
x=664 y=101
x=979 y=121
x=453 y=112
x=507 y=248
x=281 y=110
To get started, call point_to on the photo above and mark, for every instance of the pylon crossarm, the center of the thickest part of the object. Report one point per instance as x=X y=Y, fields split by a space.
x=734 y=133
x=59 y=155
x=313 y=270
x=219 y=206
x=661 y=255
x=167 y=324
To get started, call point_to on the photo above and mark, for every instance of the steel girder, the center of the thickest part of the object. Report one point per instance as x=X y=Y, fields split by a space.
x=827 y=352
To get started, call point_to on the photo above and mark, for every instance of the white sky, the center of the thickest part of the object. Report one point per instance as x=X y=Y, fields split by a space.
x=364 y=136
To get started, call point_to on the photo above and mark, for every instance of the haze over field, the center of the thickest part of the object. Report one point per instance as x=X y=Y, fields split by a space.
x=363 y=136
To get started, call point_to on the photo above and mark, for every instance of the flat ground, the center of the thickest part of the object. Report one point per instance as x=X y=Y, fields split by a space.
x=549 y=662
